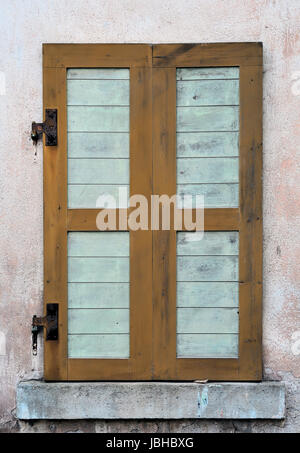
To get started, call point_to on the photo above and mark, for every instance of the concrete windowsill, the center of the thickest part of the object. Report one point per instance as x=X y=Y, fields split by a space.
x=150 y=400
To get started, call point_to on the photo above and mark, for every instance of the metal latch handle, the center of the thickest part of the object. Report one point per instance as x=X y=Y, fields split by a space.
x=49 y=322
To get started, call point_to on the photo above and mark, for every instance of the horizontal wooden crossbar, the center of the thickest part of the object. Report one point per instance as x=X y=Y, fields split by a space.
x=215 y=219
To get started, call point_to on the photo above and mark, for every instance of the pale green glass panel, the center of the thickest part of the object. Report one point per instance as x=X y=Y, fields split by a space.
x=98 y=144
x=92 y=321
x=208 y=135
x=98 y=135
x=208 y=165
x=207 y=320
x=98 y=295
x=100 y=243
x=98 y=92
x=95 y=195
x=215 y=195
x=207 y=92
x=207 y=170
x=207 y=294
x=207 y=268
x=98 y=269
x=91 y=171
x=207 y=144
x=107 y=346
x=216 y=118
x=98 y=119
x=98 y=73
x=207 y=73
x=207 y=345
x=211 y=243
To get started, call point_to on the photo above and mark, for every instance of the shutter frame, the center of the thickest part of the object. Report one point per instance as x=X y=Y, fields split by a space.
x=153 y=79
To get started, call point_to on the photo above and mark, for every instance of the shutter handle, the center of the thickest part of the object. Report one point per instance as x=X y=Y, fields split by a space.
x=49 y=128
x=49 y=322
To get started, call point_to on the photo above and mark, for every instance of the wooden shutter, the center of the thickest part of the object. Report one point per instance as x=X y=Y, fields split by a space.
x=103 y=97
x=167 y=119
x=207 y=106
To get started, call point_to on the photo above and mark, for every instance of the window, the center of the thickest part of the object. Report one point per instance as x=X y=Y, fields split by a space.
x=154 y=303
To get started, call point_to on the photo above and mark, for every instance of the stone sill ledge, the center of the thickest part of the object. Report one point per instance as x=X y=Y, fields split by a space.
x=149 y=400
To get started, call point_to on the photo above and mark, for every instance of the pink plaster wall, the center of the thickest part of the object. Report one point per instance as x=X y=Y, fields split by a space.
x=25 y=25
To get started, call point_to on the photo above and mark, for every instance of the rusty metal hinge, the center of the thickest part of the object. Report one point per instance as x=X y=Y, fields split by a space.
x=49 y=128
x=49 y=322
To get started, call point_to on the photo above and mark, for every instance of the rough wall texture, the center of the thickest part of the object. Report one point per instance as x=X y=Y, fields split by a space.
x=25 y=25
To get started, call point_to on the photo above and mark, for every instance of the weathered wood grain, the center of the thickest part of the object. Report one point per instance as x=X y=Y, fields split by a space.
x=164 y=242
x=55 y=220
x=97 y=55
x=251 y=231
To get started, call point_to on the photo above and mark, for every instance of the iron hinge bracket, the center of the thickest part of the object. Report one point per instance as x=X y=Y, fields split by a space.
x=49 y=322
x=49 y=128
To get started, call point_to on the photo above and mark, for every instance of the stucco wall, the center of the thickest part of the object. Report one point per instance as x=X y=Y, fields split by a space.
x=25 y=25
